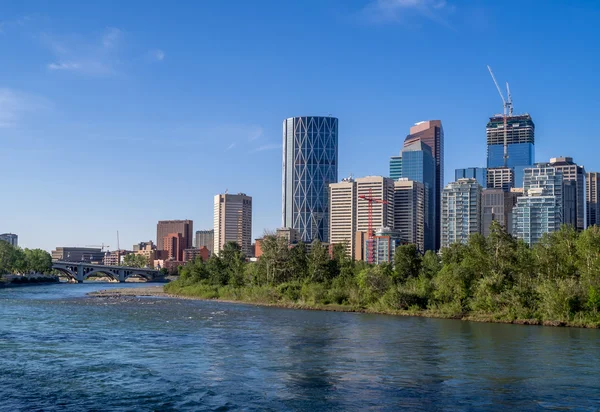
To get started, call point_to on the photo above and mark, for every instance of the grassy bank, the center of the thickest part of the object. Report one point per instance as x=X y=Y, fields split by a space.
x=314 y=297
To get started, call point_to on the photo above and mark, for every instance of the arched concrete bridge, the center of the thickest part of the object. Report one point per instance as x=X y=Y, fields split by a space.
x=80 y=271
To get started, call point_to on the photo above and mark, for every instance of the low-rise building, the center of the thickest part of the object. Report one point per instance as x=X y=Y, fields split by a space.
x=194 y=253
x=78 y=254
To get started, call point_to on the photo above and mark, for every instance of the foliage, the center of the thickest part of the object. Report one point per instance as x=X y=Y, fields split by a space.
x=16 y=260
x=497 y=277
x=135 y=260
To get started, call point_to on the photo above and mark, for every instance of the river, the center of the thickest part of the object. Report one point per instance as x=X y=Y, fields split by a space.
x=63 y=351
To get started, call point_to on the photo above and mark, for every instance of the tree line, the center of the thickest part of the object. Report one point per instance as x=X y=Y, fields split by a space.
x=498 y=278
x=16 y=260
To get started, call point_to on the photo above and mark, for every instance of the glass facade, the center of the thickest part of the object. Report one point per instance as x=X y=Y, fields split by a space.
x=395 y=167
x=520 y=138
x=540 y=210
x=461 y=211
x=418 y=165
x=310 y=164
x=477 y=173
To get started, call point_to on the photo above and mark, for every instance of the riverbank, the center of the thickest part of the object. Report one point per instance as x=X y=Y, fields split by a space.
x=158 y=291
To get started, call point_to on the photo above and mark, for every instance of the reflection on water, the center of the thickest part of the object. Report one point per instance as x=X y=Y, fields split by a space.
x=62 y=351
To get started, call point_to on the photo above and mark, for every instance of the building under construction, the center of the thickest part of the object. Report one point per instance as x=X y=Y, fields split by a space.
x=520 y=142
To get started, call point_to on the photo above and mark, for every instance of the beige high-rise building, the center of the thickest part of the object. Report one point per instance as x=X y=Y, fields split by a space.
x=342 y=214
x=500 y=178
x=380 y=188
x=592 y=194
x=233 y=221
x=410 y=211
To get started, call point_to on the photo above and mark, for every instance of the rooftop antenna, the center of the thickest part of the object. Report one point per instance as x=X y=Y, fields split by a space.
x=507 y=105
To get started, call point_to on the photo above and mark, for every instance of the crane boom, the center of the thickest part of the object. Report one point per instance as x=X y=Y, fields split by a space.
x=498 y=87
x=509 y=100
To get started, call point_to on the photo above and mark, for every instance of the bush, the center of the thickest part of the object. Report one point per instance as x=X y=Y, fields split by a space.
x=290 y=291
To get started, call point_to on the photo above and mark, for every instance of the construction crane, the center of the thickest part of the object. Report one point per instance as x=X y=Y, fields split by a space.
x=102 y=246
x=370 y=246
x=508 y=111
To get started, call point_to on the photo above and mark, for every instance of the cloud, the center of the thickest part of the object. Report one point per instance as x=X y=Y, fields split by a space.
x=392 y=11
x=255 y=134
x=273 y=146
x=9 y=24
x=15 y=106
x=157 y=54
x=90 y=56
x=64 y=66
x=231 y=146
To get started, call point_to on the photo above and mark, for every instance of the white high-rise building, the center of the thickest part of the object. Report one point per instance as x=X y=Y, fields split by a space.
x=233 y=221
x=410 y=211
x=541 y=208
x=461 y=211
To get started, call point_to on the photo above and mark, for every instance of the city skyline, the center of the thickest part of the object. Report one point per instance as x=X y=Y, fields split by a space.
x=122 y=70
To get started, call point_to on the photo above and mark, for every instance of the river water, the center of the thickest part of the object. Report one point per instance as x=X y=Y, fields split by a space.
x=62 y=351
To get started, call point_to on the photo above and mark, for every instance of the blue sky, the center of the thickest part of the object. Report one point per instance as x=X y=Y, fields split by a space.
x=114 y=115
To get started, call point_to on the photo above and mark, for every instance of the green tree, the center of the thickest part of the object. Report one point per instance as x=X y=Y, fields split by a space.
x=234 y=261
x=38 y=261
x=430 y=264
x=299 y=261
x=588 y=257
x=135 y=260
x=407 y=262
x=318 y=262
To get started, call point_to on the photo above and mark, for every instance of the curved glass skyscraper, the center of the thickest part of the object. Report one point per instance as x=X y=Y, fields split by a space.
x=310 y=164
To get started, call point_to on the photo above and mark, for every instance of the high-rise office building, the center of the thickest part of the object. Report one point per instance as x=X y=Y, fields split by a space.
x=461 y=211
x=396 y=167
x=310 y=164
x=540 y=209
x=342 y=214
x=500 y=178
x=592 y=194
x=205 y=238
x=477 y=173
x=432 y=134
x=520 y=131
x=498 y=206
x=410 y=211
x=418 y=164
x=378 y=187
x=572 y=173
x=164 y=227
x=233 y=221
x=10 y=238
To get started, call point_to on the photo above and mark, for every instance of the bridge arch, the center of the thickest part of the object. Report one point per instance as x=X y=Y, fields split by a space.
x=133 y=273
x=68 y=273
x=105 y=272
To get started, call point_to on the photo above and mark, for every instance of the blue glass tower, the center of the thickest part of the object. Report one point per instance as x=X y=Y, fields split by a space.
x=477 y=173
x=310 y=164
x=520 y=131
x=418 y=164
x=395 y=167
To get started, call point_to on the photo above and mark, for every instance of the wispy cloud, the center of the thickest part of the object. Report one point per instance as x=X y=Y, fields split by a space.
x=273 y=146
x=231 y=146
x=8 y=24
x=16 y=105
x=392 y=11
x=96 y=56
x=157 y=54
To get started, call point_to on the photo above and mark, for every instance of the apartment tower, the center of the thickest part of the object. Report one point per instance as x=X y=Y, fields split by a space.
x=461 y=211
x=540 y=209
